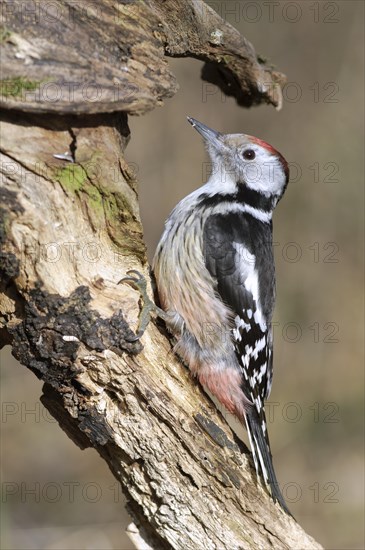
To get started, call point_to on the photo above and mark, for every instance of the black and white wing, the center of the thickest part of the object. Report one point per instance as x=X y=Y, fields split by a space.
x=238 y=255
x=233 y=250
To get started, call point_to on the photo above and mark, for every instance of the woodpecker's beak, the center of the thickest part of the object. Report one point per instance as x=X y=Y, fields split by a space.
x=209 y=135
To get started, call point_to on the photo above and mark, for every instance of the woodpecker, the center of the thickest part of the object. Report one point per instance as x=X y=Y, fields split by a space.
x=215 y=276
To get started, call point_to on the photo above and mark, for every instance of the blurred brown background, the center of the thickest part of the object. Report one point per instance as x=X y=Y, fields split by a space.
x=55 y=496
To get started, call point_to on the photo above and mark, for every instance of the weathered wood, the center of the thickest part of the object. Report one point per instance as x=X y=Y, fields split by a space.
x=194 y=29
x=68 y=233
x=83 y=57
x=91 y=57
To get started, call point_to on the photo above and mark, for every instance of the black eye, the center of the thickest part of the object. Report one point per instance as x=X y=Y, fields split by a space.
x=249 y=154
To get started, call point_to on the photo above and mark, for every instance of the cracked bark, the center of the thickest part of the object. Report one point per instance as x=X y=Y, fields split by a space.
x=68 y=232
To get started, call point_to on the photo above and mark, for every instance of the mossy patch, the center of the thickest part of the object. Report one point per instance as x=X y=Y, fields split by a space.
x=118 y=208
x=15 y=87
x=105 y=208
x=72 y=177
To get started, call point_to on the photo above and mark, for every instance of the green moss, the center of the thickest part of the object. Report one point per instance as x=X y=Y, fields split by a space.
x=122 y=226
x=118 y=208
x=94 y=200
x=105 y=208
x=14 y=87
x=75 y=178
x=72 y=177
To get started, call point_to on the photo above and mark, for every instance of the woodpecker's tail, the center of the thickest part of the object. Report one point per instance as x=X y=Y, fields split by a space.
x=260 y=446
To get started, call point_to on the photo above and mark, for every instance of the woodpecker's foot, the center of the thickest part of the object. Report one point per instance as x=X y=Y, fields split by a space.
x=138 y=281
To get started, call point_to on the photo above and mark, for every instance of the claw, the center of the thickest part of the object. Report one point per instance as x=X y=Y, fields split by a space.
x=138 y=273
x=138 y=280
x=133 y=338
x=140 y=283
x=127 y=280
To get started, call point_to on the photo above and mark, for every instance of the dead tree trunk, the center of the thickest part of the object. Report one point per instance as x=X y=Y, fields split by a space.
x=70 y=228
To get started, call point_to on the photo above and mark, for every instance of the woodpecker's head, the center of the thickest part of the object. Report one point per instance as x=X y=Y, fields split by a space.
x=245 y=161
